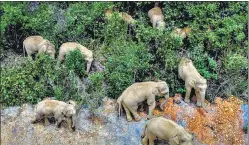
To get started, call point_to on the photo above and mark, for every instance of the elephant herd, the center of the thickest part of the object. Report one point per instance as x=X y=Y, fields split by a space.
x=133 y=96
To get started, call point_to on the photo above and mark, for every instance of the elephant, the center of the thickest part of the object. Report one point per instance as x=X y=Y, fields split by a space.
x=193 y=79
x=38 y=44
x=123 y=15
x=139 y=92
x=182 y=32
x=69 y=46
x=162 y=128
x=57 y=109
x=156 y=17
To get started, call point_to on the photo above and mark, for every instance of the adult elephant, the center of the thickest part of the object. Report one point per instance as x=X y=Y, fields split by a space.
x=33 y=44
x=139 y=92
x=70 y=46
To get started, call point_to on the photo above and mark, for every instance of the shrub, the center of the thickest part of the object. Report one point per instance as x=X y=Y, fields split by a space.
x=30 y=82
x=75 y=62
x=129 y=65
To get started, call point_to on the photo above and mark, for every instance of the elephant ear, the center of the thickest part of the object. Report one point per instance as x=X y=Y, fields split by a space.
x=201 y=86
x=191 y=82
x=155 y=91
x=43 y=46
x=64 y=111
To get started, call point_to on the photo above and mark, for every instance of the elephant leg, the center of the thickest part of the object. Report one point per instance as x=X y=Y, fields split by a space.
x=198 y=98
x=60 y=58
x=127 y=111
x=188 y=91
x=202 y=101
x=145 y=140
x=36 y=118
x=154 y=23
x=151 y=109
x=29 y=53
x=46 y=121
x=133 y=110
x=151 y=139
x=58 y=117
x=89 y=63
x=58 y=122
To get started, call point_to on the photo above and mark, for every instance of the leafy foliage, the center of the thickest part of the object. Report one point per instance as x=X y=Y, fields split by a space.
x=217 y=45
x=29 y=82
x=75 y=62
x=129 y=65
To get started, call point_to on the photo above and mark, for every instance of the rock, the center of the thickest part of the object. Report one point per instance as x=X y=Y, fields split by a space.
x=105 y=127
x=96 y=66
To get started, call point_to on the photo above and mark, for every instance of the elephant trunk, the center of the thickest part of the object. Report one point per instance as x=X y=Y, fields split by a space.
x=163 y=103
x=202 y=95
x=53 y=56
x=73 y=121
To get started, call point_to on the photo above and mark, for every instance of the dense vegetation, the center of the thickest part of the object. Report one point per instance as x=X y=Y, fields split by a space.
x=217 y=45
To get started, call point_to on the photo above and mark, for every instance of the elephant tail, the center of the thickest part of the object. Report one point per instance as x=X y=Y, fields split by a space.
x=23 y=48
x=119 y=101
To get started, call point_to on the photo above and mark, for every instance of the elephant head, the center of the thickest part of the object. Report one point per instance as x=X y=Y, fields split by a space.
x=69 y=110
x=162 y=89
x=47 y=47
x=182 y=138
x=201 y=90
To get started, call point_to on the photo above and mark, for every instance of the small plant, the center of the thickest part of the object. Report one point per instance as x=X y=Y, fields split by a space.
x=236 y=62
x=181 y=90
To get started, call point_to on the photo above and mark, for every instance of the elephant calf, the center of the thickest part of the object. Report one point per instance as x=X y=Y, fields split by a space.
x=166 y=129
x=69 y=46
x=57 y=109
x=192 y=79
x=139 y=92
x=38 y=44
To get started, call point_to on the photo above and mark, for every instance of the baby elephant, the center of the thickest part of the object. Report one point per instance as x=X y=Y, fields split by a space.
x=38 y=44
x=139 y=92
x=70 y=46
x=192 y=79
x=57 y=109
x=166 y=129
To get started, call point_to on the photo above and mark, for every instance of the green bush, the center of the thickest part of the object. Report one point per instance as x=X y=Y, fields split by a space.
x=35 y=80
x=236 y=62
x=129 y=65
x=75 y=62
x=30 y=82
